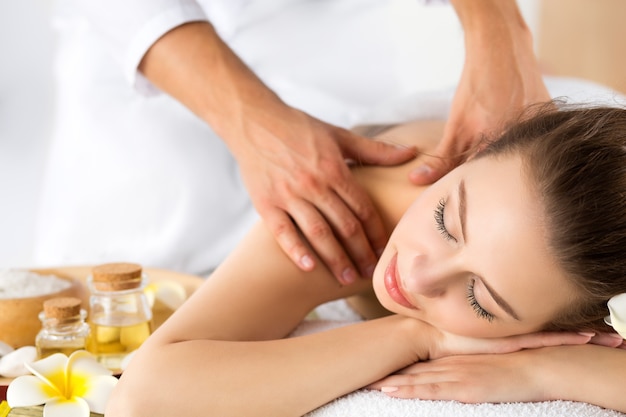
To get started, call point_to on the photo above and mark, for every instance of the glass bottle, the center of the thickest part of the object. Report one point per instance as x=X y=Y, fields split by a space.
x=120 y=316
x=64 y=329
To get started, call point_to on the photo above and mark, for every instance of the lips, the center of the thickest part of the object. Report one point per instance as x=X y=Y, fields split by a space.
x=392 y=283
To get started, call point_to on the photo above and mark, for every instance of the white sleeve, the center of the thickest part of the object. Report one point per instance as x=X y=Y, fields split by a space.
x=131 y=27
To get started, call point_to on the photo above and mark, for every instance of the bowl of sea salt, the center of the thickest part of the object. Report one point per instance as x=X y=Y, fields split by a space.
x=22 y=294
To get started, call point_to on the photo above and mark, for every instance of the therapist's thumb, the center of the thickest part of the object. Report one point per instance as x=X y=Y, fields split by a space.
x=446 y=157
x=373 y=152
x=431 y=171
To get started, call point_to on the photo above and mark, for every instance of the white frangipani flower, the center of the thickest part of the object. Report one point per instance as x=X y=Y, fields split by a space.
x=617 y=310
x=69 y=387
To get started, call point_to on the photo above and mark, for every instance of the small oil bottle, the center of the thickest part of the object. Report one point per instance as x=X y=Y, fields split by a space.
x=63 y=327
x=120 y=316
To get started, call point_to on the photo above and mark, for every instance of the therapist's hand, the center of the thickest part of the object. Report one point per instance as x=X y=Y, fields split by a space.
x=292 y=164
x=294 y=168
x=500 y=78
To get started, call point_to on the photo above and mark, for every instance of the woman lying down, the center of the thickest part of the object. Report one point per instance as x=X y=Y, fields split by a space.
x=500 y=256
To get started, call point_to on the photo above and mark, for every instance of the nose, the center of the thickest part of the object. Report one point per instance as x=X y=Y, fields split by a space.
x=428 y=278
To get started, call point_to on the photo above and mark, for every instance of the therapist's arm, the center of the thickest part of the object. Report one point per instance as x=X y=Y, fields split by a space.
x=293 y=165
x=501 y=76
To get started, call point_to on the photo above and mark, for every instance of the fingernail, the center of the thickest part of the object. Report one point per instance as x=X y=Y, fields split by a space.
x=306 y=262
x=401 y=146
x=389 y=389
x=348 y=276
x=423 y=170
x=588 y=334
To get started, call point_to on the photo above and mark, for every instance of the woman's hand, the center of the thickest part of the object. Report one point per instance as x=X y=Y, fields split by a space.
x=469 y=379
x=484 y=371
x=525 y=375
x=451 y=344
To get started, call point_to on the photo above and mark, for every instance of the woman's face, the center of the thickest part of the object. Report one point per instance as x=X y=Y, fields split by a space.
x=470 y=255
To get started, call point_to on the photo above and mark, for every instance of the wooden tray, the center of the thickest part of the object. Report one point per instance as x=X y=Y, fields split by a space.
x=160 y=312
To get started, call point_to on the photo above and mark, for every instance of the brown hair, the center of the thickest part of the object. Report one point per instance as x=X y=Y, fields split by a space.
x=576 y=161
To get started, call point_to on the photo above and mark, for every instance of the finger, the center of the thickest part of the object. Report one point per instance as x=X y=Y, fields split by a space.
x=360 y=204
x=447 y=157
x=288 y=238
x=446 y=385
x=544 y=339
x=431 y=170
x=349 y=231
x=322 y=239
x=397 y=380
x=445 y=390
x=407 y=379
x=411 y=379
x=369 y=151
x=607 y=339
x=451 y=152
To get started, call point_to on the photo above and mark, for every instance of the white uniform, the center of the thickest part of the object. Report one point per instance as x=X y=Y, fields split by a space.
x=134 y=176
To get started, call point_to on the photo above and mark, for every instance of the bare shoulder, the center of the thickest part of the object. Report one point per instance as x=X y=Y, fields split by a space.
x=257 y=293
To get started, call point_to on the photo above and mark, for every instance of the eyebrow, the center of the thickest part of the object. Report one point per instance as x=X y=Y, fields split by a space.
x=500 y=301
x=462 y=208
x=462 y=216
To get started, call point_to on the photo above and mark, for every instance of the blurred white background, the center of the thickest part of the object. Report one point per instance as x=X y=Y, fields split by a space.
x=26 y=103
x=26 y=108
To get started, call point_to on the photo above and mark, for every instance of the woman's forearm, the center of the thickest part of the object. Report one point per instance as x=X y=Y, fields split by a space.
x=287 y=377
x=587 y=373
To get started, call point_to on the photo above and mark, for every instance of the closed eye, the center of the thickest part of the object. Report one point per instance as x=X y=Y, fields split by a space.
x=478 y=309
x=439 y=220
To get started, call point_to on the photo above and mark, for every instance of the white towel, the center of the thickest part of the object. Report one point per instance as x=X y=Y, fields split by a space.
x=365 y=403
x=370 y=403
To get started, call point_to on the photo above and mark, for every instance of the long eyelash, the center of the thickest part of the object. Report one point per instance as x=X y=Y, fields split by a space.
x=441 y=226
x=480 y=312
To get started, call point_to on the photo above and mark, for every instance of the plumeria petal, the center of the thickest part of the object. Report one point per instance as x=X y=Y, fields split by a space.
x=69 y=387
x=170 y=293
x=75 y=407
x=85 y=362
x=29 y=390
x=51 y=370
x=88 y=379
x=617 y=308
x=98 y=391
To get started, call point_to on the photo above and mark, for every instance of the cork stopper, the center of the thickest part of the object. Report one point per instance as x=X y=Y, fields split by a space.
x=116 y=276
x=61 y=308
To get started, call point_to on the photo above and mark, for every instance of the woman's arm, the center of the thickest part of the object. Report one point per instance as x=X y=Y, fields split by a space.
x=287 y=377
x=259 y=294
x=588 y=373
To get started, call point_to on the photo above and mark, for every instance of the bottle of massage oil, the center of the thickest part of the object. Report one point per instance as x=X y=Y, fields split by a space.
x=120 y=316
x=64 y=329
